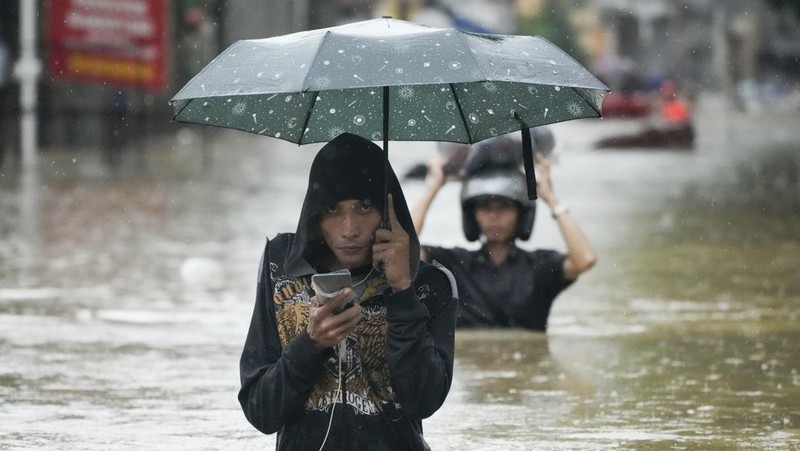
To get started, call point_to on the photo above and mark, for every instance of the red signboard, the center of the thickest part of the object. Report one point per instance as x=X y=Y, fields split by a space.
x=114 y=42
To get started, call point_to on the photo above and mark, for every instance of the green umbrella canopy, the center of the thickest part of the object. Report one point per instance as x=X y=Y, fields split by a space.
x=387 y=79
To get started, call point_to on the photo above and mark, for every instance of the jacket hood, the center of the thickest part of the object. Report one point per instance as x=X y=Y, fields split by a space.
x=348 y=167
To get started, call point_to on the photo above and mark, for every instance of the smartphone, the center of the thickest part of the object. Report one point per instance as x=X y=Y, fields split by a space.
x=327 y=285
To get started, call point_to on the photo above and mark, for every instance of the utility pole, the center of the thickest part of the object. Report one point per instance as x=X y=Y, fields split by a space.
x=27 y=71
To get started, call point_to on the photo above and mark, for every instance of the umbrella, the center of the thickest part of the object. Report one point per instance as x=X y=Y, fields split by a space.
x=387 y=79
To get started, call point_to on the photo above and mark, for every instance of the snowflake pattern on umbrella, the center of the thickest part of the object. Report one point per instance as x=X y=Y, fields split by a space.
x=574 y=109
x=239 y=108
x=406 y=93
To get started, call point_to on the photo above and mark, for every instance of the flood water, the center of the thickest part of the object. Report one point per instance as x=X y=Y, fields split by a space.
x=125 y=299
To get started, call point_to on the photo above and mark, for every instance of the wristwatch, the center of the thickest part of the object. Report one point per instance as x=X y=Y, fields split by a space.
x=559 y=210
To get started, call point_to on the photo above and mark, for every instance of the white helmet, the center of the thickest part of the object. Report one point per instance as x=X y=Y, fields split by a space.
x=498 y=182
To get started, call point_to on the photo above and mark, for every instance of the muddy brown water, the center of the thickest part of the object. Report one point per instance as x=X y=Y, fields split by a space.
x=124 y=299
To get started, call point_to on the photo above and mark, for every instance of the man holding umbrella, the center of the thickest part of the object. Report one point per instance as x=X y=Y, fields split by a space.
x=381 y=79
x=363 y=377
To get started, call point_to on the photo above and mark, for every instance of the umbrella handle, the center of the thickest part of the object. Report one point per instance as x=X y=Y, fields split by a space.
x=527 y=157
x=385 y=223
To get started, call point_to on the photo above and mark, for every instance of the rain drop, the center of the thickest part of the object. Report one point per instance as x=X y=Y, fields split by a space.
x=398 y=70
x=292 y=123
x=455 y=65
x=426 y=64
x=340 y=51
x=359 y=120
x=356 y=58
x=278 y=135
x=412 y=122
x=451 y=105
x=326 y=62
x=558 y=88
x=473 y=118
x=332 y=111
x=287 y=99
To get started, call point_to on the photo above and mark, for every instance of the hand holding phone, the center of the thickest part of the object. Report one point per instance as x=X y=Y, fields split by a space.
x=328 y=285
x=328 y=327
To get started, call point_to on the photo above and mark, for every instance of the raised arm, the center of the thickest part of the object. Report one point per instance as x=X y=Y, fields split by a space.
x=434 y=181
x=580 y=255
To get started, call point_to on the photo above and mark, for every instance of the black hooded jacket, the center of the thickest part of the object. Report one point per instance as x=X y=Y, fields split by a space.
x=399 y=361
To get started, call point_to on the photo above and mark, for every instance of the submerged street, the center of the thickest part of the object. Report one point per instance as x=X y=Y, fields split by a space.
x=125 y=299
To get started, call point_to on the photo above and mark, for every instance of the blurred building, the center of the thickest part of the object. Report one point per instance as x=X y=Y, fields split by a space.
x=700 y=44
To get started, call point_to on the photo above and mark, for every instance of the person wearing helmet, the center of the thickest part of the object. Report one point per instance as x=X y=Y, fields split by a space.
x=501 y=285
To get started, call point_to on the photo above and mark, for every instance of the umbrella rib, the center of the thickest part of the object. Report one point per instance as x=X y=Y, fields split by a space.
x=186 y=104
x=580 y=94
x=303 y=87
x=460 y=111
x=308 y=116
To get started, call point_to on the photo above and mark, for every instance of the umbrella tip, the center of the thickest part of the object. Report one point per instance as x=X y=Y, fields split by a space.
x=387 y=17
